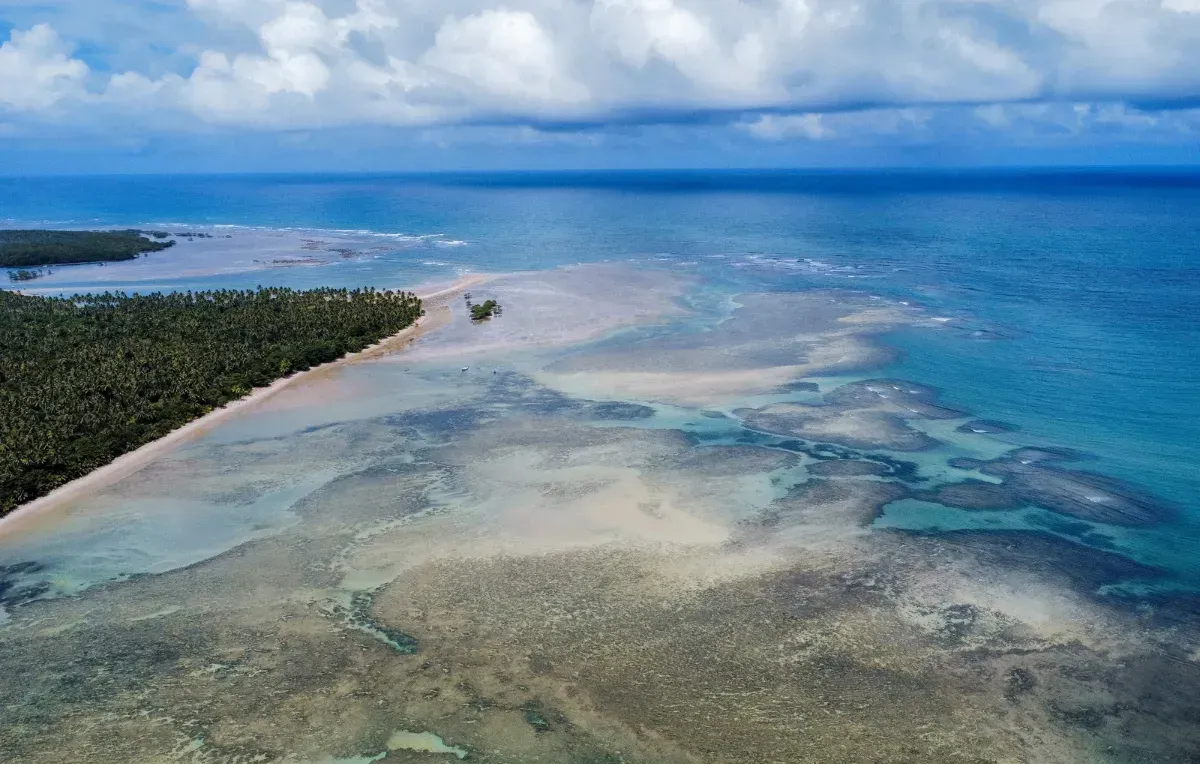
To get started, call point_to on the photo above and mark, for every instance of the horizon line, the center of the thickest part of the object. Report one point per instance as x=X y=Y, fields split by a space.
x=862 y=170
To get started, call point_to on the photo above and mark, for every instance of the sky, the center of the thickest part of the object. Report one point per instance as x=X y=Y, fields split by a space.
x=393 y=85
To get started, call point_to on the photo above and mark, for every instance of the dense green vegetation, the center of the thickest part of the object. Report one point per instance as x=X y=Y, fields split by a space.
x=21 y=248
x=484 y=310
x=88 y=378
x=23 y=275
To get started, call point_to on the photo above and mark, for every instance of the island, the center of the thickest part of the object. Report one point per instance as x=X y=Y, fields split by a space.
x=484 y=310
x=21 y=248
x=88 y=378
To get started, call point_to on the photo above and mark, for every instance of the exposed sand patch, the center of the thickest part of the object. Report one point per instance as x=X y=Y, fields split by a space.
x=531 y=508
x=769 y=341
x=858 y=428
x=684 y=389
x=711 y=387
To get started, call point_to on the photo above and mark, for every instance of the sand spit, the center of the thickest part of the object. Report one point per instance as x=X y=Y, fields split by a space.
x=437 y=314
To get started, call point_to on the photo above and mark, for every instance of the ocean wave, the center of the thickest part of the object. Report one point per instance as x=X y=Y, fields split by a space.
x=51 y=224
x=181 y=226
x=315 y=231
x=808 y=265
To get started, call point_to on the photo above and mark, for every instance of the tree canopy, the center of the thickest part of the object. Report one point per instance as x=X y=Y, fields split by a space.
x=484 y=310
x=23 y=248
x=87 y=378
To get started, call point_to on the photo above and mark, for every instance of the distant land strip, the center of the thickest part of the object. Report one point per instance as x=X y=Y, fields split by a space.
x=22 y=248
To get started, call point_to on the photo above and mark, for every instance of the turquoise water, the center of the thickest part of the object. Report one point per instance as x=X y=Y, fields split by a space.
x=1074 y=300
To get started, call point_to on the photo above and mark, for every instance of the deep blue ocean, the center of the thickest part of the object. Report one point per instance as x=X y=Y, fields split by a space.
x=1080 y=292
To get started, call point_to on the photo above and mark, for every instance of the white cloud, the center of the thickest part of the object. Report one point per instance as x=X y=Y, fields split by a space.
x=849 y=126
x=1012 y=124
x=772 y=127
x=1034 y=122
x=223 y=87
x=299 y=64
x=501 y=55
x=37 y=71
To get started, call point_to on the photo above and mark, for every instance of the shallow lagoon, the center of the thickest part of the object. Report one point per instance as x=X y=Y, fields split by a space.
x=660 y=518
x=626 y=532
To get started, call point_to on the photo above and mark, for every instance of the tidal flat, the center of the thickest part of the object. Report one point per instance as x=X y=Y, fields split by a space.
x=632 y=520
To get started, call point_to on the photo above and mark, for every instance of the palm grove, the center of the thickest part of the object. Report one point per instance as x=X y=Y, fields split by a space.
x=88 y=378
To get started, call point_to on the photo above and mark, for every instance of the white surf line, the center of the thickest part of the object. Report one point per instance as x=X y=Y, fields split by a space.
x=129 y=463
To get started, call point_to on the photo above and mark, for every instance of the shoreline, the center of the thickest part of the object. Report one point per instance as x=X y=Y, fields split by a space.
x=437 y=314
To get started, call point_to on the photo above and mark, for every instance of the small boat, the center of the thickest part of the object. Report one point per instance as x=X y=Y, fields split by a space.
x=464 y=368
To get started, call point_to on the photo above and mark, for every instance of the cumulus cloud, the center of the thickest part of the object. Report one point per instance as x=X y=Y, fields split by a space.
x=37 y=71
x=502 y=57
x=782 y=69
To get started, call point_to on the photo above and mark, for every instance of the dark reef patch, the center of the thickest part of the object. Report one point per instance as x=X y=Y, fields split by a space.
x=1083 y=532
x=848 y=468
x=987 y=426
x=864 y=500
x=1085 y=495
x=388 y=489
x=898 y=468
x=800 y=387
x=972 y=494
x=963 y=463
x=1020 y=681
x=1167 y=608
x=915 y=398
x=817 y=450
x=12 y=591
x=440 y=422
x=1088 y=717
x=732 y=461
x=1031 y=476
x=885 y=465
x=1034 y=454
x=542 y=718
x=1083 y=568
x=514 y=389
x=620 y=411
